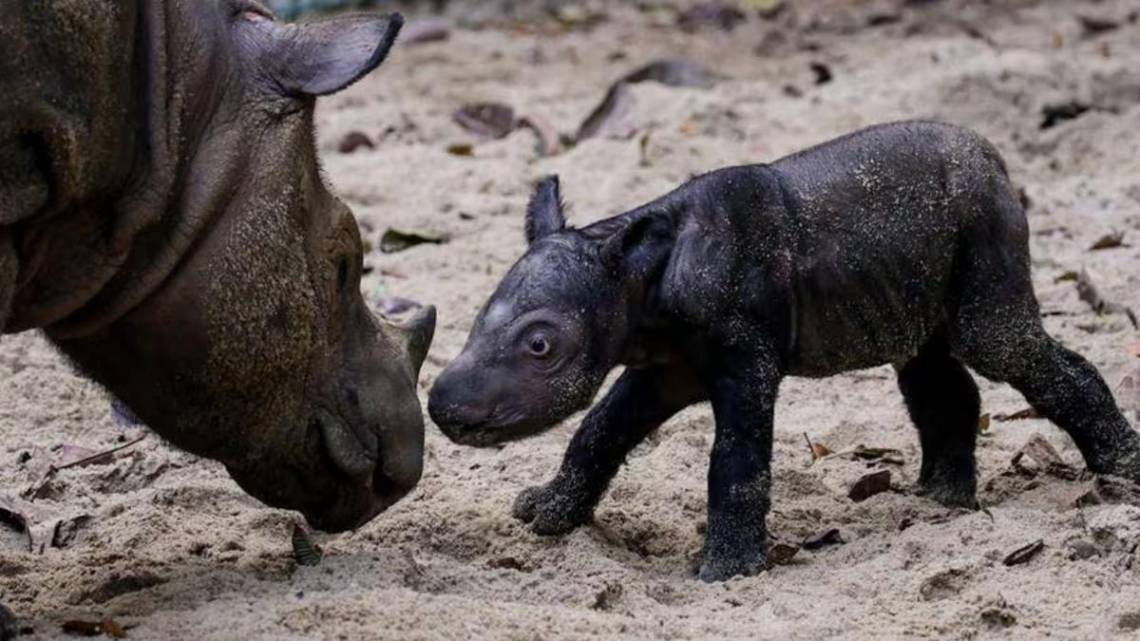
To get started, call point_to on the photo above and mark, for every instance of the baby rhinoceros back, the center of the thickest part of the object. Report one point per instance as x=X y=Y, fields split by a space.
x=903 y=244
x=880 y=227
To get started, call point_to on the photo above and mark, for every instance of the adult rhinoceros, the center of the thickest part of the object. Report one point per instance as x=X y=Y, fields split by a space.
x=163 y=220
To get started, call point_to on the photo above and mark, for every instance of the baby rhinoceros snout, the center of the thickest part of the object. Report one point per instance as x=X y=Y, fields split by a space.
x=459 y=407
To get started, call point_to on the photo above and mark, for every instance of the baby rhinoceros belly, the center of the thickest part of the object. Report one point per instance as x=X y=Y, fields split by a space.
x=877 y=231
x=853 y=312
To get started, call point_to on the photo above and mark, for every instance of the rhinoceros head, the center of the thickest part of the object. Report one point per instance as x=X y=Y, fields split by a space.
x=251 y=343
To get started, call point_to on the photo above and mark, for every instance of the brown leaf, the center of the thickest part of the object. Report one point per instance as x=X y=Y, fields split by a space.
x=1108 y=241
x=878 y=455
x=37 y=523
x=782 y=553
x=488 y=120
x=612 y=117
x=822 y=539
x=1045 y=459
x=1040 y=450
x=673 y=72
x=1020 y=415
x=984 y=424
x=112 y=628
x=305 y=551
x=463 y=149
x=818 y=450
x=83 y=628
x=1096 y=25
x=869 y=485
x=1088 y=293
x=354 y=140
x=397 y=240
x=107 y=626
x=1024 y=554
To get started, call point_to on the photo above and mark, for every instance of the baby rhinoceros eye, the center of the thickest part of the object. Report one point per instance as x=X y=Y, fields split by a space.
x=539 y=346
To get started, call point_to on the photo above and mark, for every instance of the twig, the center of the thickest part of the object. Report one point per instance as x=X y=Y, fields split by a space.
x=53 y=469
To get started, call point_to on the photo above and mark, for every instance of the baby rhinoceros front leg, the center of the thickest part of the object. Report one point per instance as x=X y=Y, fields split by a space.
x=639 y=402
x=743 y=400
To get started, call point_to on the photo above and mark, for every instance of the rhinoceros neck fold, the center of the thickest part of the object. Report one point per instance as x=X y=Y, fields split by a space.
x=128 y=244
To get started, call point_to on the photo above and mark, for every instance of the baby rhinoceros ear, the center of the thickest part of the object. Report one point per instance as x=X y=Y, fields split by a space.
x=320 y=57
x=544 y=213
x=641 y=246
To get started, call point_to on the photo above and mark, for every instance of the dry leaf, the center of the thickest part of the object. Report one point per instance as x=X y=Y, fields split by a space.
x=869 y=485
x=823 y=539
x=354 y=140
x=782 y=553
x=1040 y=450
x=1108 y=241
x=1096 y=25
x=107 y=626
x=878 y=455
x=1025 y=553
x=1045 y=459
x=1020 y=415
x=818 y=450
x=462 y=149
x=397 y=240
x=984 y=424
x=488 y=120
x=305 y=551
x=612 y=118
x=1088 y=292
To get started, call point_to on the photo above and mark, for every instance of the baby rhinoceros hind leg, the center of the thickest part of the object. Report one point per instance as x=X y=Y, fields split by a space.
x=1066 y=389
x=996 y=329
x=943 y=402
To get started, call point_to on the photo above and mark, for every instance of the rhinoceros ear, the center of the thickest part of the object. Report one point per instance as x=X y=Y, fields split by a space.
x=544 y=213
x=321 y=57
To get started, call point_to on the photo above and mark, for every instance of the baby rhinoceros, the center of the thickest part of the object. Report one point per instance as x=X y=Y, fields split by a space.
x=903 y=244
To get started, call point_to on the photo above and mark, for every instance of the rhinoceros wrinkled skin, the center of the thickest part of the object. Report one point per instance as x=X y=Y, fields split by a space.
x=163 y=220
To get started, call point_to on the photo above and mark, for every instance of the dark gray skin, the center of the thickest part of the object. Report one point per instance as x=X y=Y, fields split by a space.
x=901 y=244
x=164 y=221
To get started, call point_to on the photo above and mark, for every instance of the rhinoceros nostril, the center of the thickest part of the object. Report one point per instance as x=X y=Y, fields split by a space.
x=352 y=398
x=343 y=447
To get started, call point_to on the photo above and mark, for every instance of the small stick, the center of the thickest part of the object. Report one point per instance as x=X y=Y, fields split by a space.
x=51 y=472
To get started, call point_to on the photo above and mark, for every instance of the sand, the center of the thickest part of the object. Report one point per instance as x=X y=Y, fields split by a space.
x=172 y=549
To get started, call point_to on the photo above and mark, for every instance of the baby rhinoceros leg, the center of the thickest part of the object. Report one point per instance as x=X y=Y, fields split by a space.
x=943 y=402
x=744 y=399
x=997 y=331
x=639 y=402
x=1066 y=389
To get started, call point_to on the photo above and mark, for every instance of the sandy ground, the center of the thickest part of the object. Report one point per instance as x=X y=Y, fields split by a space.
x=172 y=548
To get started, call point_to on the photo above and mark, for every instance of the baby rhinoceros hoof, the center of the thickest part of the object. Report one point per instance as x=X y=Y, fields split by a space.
x=717 y=568
x=549 y=509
